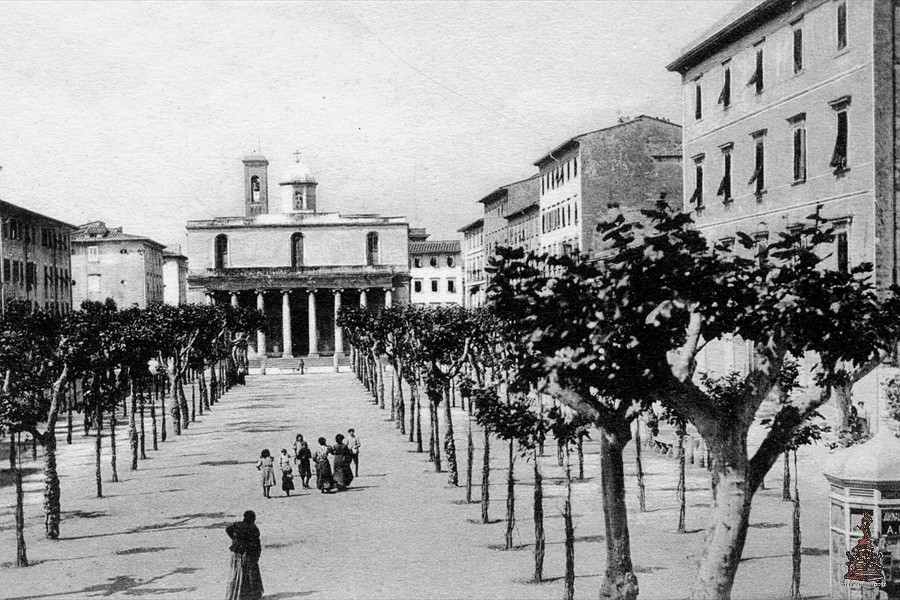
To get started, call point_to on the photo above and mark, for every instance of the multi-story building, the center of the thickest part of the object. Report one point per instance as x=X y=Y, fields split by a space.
x=36 y=263
x=499 y=205
x=295 y=263
x=108 y=263
x=790 y=108
x=435 y=270
x=626 y=166
x=175 y=270
x=473 y=257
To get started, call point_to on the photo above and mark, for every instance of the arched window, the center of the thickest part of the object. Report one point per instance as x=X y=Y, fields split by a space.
x=417 y=262
x=450 y=261
x=433 y=261
x=297 y=250
x=221 y=251
x=299 y=201
x=254 y=188
x=372 y=249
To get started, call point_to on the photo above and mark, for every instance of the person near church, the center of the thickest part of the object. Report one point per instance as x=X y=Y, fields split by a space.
x=266 y=465
x=303 y=457
x=245 y=582
x=343 y=457
x=302 y=366
x=287 y=472
x=354 y=444
x=324 y=478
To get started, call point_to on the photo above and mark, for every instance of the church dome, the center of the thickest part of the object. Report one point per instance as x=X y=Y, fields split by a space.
x=298 y=173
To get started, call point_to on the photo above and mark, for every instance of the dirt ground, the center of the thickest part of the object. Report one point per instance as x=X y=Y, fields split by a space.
x=399 y=532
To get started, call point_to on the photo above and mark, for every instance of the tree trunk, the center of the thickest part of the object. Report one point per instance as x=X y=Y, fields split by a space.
x=679 y=490
x=539 y=540
x=182 y=399
x=51 y=486
x=436 y=436
x=619 y=582
x=379 y=375
x=401 y=406
x=470 y=459
x=511 y=496
x=730 y=519
x=69 y=425
x=98 y=445
x=194 y=401
x=418 y=394
x=642 y=493
x=112 y=445
x=569 y=593
x=486 y=477
x=176 y=409
x=579 y=447
x=213 y=386
x=796 y=548
x=450 y=442
x=142 y=400
x=16 y=466
x=393 y=416
x=132 y=429
x=786 y=484
x=153 y=430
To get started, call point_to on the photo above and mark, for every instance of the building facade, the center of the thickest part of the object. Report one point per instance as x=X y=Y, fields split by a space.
x=175 y=270
x=435 y=272
x=627 y=166
x=297 y=264
x=473 y=268
x=37 y=264
x=108 y=263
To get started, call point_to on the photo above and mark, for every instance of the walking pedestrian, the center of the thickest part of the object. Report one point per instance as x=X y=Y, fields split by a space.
x=303 y=467
x=302 y=366
x=324 y=478
x=343 y=474
x=287 y=472
x=354 y=444
x=266 y=465
x=246 y=581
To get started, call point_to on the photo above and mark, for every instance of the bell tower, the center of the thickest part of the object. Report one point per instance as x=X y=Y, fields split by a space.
x=256 y=185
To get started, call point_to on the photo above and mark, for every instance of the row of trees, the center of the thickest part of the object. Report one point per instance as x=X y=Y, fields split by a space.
x=610 y=339
x=100 y=360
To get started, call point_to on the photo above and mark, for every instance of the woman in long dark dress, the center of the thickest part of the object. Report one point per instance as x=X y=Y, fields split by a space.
x=343 y=459
x=324 y=479
x=246 y=581
x=304 y=456
x=287 y=472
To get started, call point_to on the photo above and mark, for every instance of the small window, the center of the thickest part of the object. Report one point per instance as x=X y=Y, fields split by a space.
x=93 y=253
x=575 y=166
x=220 y=249
x=434 y=285
x=698 y=101
x=451 y=262
x=798 y=49
x=372 y=250
x=725 y=185
x=758 y=180
x=433 y=261
x=417 y=286
x=7 y=274
x=451 y=286
x=841 y=240
x=798 y=136
x=697 y=196
x=296 y=250
x=254 y=189
x=841 y=25
x=725 y=94
x=762 y=247
x=839 y=154
x=93 y=283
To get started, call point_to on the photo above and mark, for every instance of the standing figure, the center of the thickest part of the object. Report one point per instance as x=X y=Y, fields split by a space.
x=303 y=468
x=343 y=457
x=246 y=581
x=354 y=444
x=287 y=472
x=302 y=366
x=266 y=464
x=324 y=479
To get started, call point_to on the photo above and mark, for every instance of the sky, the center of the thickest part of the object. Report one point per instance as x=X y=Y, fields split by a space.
x=138 y=114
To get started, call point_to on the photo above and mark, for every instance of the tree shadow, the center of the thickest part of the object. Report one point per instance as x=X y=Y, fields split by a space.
x=122 y=584
x=478 y=521
x=814 y=551
x=7 y=478
x=764 y=525
x=555 y=579
x=649 y=569
x=288 y=595
x=223 y=463
x=146 y=550
x=83 y=514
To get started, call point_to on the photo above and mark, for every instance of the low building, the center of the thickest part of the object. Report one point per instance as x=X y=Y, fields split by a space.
x=435 y=271
x=175 y=270
x=37 y=263
x=295 y=263
x=109 y=263
x=473 y=267
x=626 y=166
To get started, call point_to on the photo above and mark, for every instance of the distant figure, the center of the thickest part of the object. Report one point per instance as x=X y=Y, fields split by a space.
x=266 y=465
x=324 y=478
x=354 y=444
x=343 y=474
x=246 y=581
x=302 y=366
x=287 y=472
x=303 y=467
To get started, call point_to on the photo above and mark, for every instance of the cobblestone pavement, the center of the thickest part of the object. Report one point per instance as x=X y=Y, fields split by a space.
x=399 y=532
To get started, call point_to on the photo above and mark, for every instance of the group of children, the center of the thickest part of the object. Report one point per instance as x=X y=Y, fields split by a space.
x=327 y=478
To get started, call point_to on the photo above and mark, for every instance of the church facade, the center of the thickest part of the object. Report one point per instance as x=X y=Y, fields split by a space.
x=296 y=264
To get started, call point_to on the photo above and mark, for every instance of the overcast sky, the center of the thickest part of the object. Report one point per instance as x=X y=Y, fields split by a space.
x=139 y=114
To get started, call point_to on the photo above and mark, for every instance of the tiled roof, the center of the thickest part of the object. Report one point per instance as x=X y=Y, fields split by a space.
x=434 y=247
x=472 y=225
x=97 y=231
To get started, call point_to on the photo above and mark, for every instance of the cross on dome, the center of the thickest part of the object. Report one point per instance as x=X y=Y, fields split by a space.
x=297 y=155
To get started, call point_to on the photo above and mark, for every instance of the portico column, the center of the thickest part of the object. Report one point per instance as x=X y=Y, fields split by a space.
x=388 y=297
x=363 y=302
x=313 y=338
x=234 y=300
x=286 y=341
x=261 y=334
x=338 y=332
